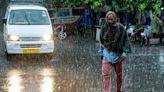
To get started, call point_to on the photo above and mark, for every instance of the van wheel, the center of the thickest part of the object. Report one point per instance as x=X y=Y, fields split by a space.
x=8 y=56
x=46 y=57
x=50 y=55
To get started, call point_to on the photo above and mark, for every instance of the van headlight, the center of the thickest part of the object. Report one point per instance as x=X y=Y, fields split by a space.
x=47 y=37
x=13 y=38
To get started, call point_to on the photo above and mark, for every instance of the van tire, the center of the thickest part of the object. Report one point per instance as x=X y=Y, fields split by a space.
x=8 y=56
x=50 y=55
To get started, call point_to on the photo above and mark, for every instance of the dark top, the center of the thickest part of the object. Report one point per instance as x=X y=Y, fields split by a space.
x=114 y=38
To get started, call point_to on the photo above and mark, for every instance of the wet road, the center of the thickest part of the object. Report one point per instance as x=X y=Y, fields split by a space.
x=75 y=67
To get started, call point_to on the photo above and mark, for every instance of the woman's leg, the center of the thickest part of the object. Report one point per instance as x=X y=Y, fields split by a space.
x=119 y=71
x=107 y=72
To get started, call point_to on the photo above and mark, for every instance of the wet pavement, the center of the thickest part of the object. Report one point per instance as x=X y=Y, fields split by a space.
x=75 y=67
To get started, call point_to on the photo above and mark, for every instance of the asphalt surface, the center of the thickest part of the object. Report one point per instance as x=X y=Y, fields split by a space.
x=75 y=67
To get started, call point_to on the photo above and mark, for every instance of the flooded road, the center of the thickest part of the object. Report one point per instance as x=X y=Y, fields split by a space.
x=75 y=67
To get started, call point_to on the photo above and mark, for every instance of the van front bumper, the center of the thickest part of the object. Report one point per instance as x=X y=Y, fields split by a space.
x=30 y=47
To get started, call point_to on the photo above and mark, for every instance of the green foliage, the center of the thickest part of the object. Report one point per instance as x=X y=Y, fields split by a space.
x=150 y=5
x=96 y=4
x=65 y=3
x=117 y=5
x=142 y=6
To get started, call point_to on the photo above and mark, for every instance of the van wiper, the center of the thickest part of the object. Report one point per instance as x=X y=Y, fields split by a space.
x=28 y=22
x=13 y=18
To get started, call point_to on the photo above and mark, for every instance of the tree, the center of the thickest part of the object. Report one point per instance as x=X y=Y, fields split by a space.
x=117 y=5
x=68 y=3
x=140 y=6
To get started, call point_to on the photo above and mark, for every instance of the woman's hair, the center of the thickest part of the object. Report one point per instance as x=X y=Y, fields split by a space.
x=110 y=13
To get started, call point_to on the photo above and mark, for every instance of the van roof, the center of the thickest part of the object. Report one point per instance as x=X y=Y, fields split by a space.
x=15 y=7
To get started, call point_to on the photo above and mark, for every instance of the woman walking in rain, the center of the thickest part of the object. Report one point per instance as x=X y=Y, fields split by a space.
x=114 y=46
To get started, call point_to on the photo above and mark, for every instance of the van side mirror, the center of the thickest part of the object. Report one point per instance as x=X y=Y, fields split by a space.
x=4 y=21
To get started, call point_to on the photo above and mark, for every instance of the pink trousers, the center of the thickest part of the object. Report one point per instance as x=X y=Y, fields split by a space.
x=107 y=74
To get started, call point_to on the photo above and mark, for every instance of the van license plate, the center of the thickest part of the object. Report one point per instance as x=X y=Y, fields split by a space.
x=31 y=51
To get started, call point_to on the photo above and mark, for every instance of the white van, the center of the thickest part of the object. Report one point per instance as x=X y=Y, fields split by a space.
x=27 y=30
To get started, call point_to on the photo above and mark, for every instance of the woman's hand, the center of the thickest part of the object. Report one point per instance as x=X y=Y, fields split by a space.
x=101 y=57
x=122 y=58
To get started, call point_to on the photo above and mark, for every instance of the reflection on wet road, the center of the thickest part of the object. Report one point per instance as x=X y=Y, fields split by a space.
x=15 y=80
x=161 y=61
x=19 y=81
x=47 y=81
x=75 y=67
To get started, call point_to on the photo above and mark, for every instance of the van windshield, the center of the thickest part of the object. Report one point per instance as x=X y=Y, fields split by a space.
x=28 y=17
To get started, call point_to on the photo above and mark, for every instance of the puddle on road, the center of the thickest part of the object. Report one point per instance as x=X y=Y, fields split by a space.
x=14 y=81
x=48 y=80
x=19 y=81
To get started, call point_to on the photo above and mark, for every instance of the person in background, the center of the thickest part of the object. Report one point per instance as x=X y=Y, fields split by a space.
x=113 y=49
